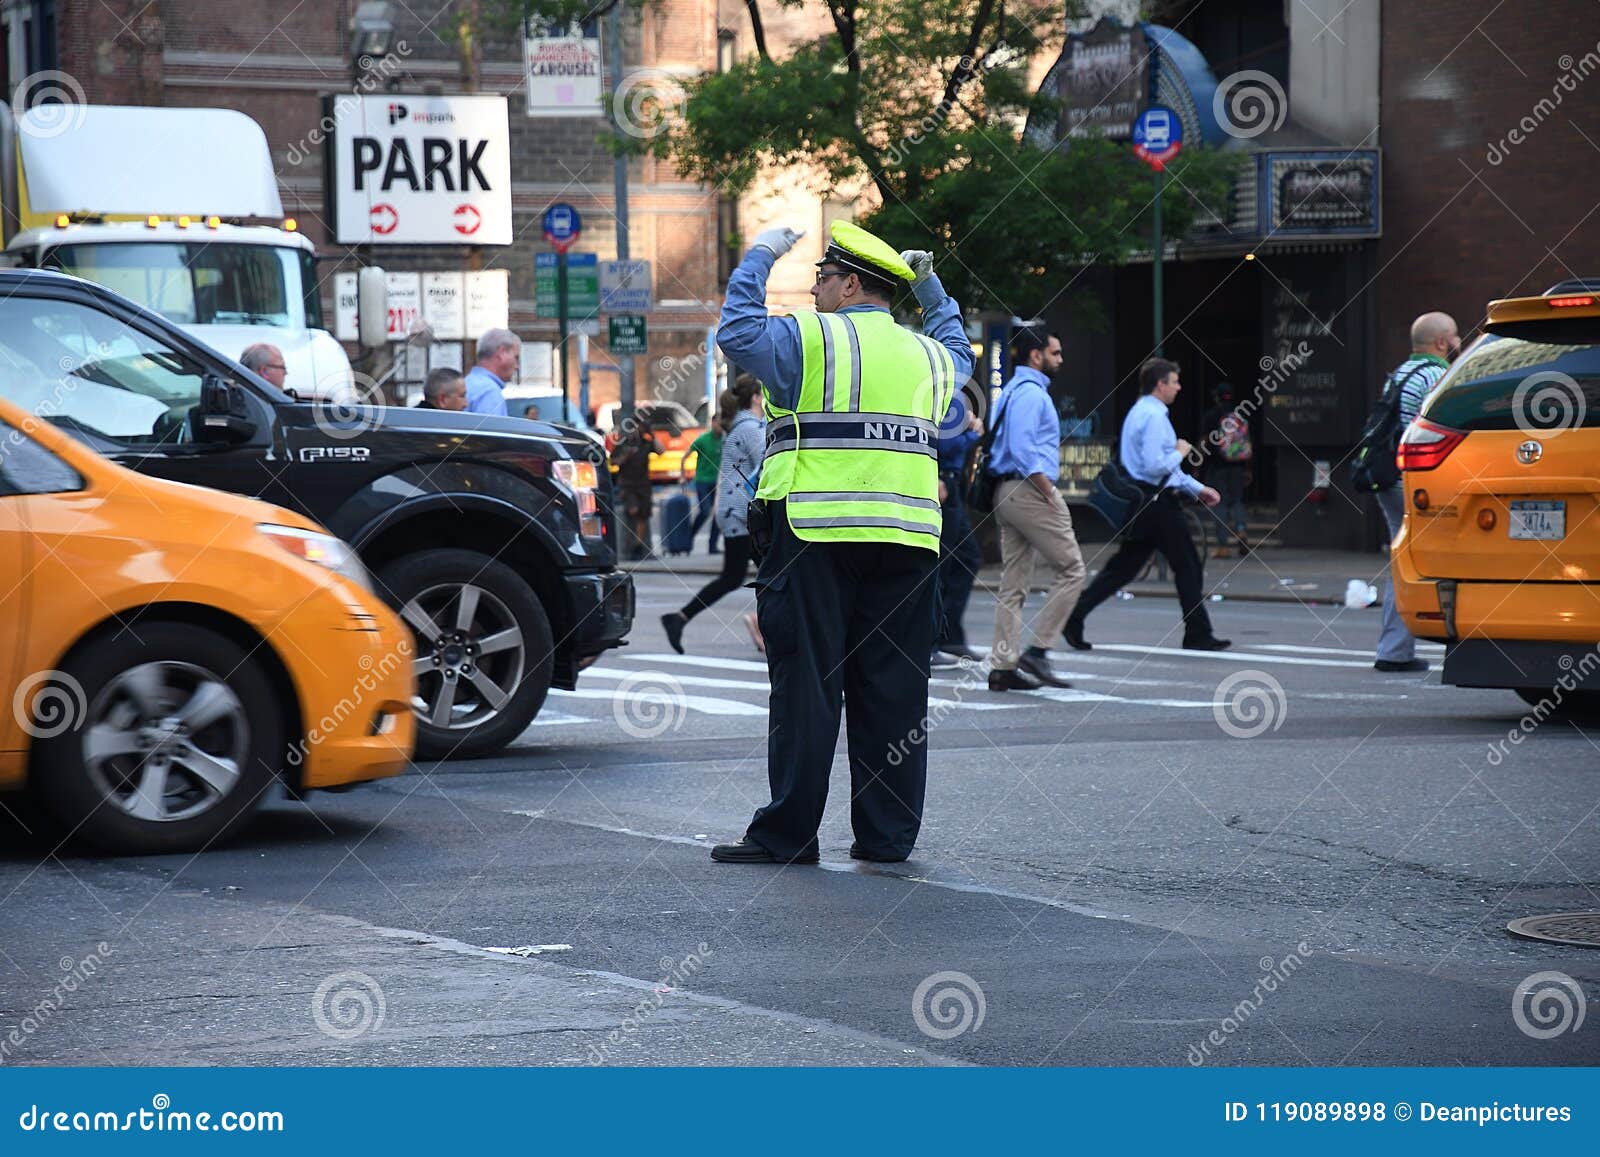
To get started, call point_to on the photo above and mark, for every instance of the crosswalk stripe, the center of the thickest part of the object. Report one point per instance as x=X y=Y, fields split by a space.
x=1230 y=656
x=1298 y=649
x=703 y=703
x=766 y=688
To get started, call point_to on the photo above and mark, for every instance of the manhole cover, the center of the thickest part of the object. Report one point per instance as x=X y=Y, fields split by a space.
x=1580 y=929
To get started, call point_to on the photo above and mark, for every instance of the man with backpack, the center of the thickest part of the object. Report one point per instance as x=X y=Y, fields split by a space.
x=1434 y=341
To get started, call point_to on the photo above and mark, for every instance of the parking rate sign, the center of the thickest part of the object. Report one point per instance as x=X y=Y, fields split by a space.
x=428 y=170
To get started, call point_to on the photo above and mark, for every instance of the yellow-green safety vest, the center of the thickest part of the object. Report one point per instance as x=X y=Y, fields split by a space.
x=857 y=459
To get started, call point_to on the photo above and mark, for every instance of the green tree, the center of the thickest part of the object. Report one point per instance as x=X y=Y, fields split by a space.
x=920 y=104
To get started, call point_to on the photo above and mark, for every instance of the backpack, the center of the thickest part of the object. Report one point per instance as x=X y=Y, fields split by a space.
x=1372 y=466
x=1115 y=496
x=981 y=484
x=1233 y=439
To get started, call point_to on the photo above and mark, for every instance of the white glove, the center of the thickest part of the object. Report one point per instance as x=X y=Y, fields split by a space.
x=921 y=262
x=779 y=240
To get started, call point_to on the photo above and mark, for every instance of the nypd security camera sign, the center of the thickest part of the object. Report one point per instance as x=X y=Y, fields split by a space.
x=422 y=170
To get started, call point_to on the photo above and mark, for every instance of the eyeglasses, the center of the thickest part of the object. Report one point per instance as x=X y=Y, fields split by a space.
x=824 y=274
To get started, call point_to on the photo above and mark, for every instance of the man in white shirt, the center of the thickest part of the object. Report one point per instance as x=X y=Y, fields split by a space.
x=1153 y=454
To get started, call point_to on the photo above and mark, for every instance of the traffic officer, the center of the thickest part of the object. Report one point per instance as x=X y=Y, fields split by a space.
x=845 y=592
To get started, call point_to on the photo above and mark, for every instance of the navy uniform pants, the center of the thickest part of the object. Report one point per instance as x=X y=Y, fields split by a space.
x=847 y=625
x=1158 y=526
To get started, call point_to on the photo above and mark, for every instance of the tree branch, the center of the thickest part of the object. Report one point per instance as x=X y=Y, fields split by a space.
x=967 y=67
x=756 y=30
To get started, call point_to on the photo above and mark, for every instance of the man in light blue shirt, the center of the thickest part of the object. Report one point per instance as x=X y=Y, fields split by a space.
x=499 y=354
x=1153 y=454
x=1034 y=521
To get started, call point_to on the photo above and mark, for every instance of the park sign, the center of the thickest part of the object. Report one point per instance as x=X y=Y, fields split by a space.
x=422 y=170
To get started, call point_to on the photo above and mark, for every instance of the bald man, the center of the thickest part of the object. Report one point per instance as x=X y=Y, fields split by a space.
x=1434 y=341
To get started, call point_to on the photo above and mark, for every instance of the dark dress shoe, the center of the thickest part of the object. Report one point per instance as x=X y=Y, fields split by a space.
x=749 y=852
x=1000 y=680
x=857 y=852
x=673 y=624
x=1417 y=665
x=1074 y=636
x=1040 y=669
x=1211 y=644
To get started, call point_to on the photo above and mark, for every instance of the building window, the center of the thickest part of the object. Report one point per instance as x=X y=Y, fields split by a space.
x=727 y=53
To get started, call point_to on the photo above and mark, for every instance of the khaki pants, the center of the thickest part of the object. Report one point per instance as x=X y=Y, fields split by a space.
x=1033 y=527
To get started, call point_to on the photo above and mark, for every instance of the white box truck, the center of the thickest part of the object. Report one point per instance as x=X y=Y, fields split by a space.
x=178 y=209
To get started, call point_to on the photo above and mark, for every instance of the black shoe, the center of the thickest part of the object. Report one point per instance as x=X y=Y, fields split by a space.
x=1211 y=644
x=940 y=661
x=1039 y=667
x=1074 y=636
x=673 y=624
x=1001 y=680
x=747 y=851
x=961 y=651
x=857 y=852
x=1418 y=665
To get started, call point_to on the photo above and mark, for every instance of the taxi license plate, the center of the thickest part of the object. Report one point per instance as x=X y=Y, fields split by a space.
x=1538 y=520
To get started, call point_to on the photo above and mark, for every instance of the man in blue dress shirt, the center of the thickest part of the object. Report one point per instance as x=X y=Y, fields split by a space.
x=499 y=353
x=1153 y=454
x=1034 y=521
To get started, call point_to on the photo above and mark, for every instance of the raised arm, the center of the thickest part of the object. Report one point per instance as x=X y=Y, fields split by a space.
x=766 y=346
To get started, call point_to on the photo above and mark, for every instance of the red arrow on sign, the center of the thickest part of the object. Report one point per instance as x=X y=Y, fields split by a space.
x=467 y=219
x=384 y=218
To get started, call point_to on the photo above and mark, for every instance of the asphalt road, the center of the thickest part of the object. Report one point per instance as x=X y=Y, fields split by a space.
x=1270 y=856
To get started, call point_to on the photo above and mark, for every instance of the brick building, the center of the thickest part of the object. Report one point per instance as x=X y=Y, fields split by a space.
x=277 y=63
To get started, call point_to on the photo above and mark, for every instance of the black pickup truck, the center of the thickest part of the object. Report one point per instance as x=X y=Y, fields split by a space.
x=492 y=536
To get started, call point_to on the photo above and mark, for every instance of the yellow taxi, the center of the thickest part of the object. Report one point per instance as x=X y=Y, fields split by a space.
x=173 y=652
x=1499 y=557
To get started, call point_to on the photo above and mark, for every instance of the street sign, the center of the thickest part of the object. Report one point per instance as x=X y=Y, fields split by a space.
x=625 y=287
x=627 y=334
x=583 y=285
x=419 y=170
x=562 y=225
x=562 y=76
x=1157 y=136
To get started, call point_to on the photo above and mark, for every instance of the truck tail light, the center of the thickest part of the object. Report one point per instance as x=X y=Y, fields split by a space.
x=1425 y=444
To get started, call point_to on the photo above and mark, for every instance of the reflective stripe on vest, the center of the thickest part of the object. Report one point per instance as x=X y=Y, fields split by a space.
x=857 y=459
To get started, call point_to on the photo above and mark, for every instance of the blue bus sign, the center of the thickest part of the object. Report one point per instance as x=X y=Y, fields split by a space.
x=1157 y=136
x=562 y=226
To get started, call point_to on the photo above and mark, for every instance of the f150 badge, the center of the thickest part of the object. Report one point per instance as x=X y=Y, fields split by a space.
x=335 y=453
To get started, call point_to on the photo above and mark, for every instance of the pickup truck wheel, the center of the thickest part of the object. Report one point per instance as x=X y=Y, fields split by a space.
x=484 y=654
x=177 y=736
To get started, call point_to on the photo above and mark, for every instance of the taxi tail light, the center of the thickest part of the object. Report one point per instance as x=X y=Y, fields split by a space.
x=1426 y=444
x=1571 y=302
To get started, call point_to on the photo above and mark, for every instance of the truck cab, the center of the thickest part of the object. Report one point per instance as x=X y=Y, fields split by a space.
x=200 y=238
